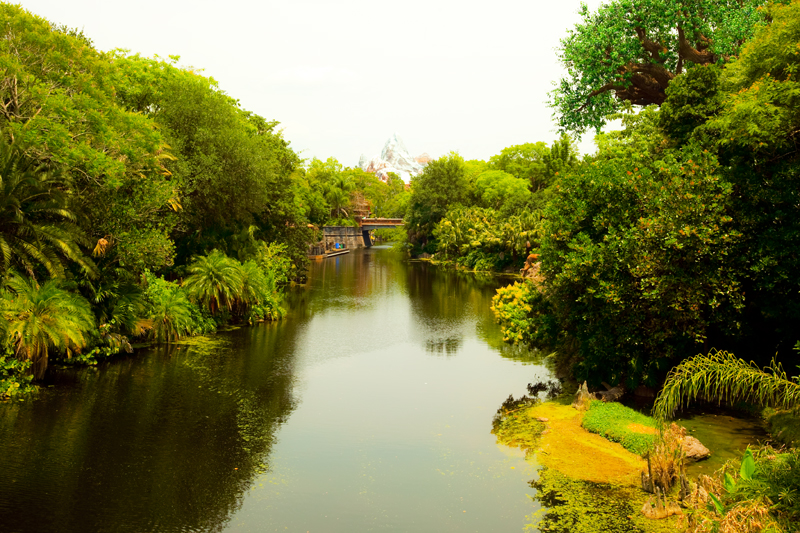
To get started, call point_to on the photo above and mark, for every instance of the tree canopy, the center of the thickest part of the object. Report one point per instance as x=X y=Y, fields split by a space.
x=630 y=50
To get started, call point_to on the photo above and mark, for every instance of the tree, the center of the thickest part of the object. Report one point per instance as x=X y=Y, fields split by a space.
x=442 y=184
x=41 y=318
x=502 y=192
x=214 y=281
x=637 y=252
x=630 y=50
x=37 y=227
x=231 y=168
x=58 y=96
x=524 y=161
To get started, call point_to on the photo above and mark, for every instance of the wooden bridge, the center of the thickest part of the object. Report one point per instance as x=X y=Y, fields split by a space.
x=368 y=224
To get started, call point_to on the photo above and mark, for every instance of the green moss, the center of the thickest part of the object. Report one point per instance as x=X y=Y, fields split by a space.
x=621 y=424
x=573 y=506
x=518 y=429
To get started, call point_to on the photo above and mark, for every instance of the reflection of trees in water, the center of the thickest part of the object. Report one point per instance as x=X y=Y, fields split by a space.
x=349 y=281
x=447 y=301
x=448 y=346
x=165 y=441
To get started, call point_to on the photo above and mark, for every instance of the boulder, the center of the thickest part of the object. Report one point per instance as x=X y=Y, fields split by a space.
x=694 y=449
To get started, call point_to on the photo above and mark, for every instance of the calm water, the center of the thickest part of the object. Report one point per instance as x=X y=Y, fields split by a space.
x=368 y=409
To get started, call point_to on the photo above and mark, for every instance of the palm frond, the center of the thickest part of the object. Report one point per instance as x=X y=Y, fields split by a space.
x=721 y=376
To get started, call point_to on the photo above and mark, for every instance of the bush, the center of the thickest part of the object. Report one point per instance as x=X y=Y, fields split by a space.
x=171 y=313
x=613 y=421
x=15 y=376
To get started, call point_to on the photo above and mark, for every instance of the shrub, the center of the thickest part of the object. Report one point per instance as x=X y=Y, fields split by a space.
x=171 y=313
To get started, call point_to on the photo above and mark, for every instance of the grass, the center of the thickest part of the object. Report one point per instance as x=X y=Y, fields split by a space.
x=636 y=432
x=784 y=426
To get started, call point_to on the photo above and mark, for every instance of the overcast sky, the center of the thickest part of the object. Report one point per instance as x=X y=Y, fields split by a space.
x=342 y=76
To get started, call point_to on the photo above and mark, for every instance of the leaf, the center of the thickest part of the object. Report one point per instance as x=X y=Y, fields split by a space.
x=717 y=504
x=748 y=465
x=730 y=484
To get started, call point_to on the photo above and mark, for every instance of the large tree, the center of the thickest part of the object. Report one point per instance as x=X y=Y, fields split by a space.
x=442 y=184
x=58 y=99
x=630 y=50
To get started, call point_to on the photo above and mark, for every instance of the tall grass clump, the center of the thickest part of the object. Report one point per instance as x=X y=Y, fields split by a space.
x=721 y=376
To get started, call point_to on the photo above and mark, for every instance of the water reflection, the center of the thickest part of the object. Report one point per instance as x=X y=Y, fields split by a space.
x=346 y=416
x=165 y=441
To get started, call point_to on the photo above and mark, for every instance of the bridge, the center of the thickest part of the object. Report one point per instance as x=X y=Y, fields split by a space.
x=355 y=237
x=369 y=224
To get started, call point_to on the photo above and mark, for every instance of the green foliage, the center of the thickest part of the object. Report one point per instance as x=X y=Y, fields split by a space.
x=170 y=312
x=219 y=283
x=441 y=185
x=483 y=239
x=724 y=377
x=524 y=161
x=41 y=318
x=16 y=378
x=214 y=281
x=636 y=254
x=630 y=50
x=692 y=99
x=765 y=478
x=612 y=420
x=502 y=192
x=37 y=228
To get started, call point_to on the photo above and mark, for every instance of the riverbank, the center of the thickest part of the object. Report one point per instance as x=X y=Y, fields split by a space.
x=586 y=482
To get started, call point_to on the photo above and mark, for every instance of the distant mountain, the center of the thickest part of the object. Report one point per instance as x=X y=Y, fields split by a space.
x=395 y=158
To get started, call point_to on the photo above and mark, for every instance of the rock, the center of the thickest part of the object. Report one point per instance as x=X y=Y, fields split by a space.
x=394 y=158
x=423 y=158
x=543 y=419
x=694 y=449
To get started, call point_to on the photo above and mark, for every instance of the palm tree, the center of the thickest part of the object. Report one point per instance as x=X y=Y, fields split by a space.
x=170 y=315
x=214 y=281
x=339 y=200
x=256 y=287
x=723 y=376
x=36 y=226
x=41 y=318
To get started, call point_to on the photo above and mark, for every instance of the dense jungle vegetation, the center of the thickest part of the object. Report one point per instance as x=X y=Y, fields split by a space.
x=139 y=201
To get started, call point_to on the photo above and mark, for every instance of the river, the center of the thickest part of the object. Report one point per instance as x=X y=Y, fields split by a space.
x=369 y=408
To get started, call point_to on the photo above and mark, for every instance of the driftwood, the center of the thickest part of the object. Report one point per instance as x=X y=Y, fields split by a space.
x=583 y=396
x=659 y=507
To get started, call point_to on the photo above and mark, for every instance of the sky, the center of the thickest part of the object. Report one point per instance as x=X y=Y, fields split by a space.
x=342 y=76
